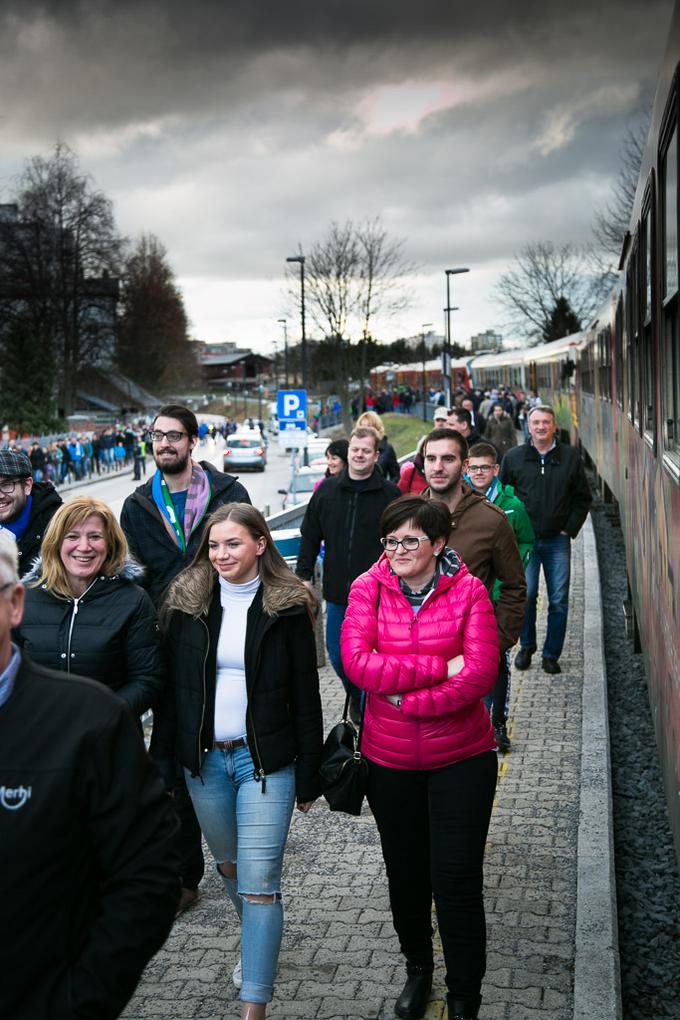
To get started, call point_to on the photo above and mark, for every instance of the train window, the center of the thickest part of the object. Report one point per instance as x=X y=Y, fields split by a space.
x=604 y=362
x=587 y=376
x=618 y=348
x=670 y=215
x=544 y=377
x=633 y=352
x=670 y=349
x=647 y=352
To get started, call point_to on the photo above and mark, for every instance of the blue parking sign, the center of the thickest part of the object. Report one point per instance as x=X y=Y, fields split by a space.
x=291 y=406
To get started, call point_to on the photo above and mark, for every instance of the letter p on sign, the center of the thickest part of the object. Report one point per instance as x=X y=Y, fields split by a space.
x=291 y=404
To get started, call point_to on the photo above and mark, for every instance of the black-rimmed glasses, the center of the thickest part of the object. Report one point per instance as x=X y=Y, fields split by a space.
x=172 y=437
x=410 y=543
x=8 y=485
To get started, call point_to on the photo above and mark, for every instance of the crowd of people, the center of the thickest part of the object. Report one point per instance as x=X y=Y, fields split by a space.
x=186 y=608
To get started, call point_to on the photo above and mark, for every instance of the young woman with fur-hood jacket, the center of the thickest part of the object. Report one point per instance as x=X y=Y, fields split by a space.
x=85 y=614
x=420 y=638
x=242 y=714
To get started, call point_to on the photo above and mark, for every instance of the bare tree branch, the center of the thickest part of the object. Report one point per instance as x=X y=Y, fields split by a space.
x=543 y=275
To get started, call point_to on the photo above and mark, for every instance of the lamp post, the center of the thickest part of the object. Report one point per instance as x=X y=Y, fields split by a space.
x=301 y=260
x=423 y=351
x=285 y=350
x=447 y=338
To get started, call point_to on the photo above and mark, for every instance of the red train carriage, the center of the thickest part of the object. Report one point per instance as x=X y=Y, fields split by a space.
x=418 y=375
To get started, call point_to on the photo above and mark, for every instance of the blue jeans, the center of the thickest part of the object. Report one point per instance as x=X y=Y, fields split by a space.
x=335 y=614
x=247 y=827
x=554 y=554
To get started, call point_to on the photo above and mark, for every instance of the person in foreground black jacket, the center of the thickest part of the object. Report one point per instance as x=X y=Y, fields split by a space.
x=185 y=491
x=242 y=714
x=84 y=612
x=89 y=873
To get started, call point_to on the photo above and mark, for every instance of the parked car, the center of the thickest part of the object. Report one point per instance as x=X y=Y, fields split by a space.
x=305 y=482
x=245 y=449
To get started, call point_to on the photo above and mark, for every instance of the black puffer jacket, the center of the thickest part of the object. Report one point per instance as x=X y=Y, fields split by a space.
x=45 y=503
x=149 y=540
x=554 y=488
x=109 y=634
x=346 y=520
x=283 y=721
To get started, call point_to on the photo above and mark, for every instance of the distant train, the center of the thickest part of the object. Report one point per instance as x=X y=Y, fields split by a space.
x=616 y=388
x=421 y=376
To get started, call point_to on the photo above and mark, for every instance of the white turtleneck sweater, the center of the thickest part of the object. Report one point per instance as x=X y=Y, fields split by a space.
x=231 y=699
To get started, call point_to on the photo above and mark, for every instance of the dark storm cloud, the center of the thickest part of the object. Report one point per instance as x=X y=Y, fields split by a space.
x=237 y=130
x=107 y=64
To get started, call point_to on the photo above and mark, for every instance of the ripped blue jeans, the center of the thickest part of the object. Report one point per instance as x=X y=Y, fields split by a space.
x=245 y=826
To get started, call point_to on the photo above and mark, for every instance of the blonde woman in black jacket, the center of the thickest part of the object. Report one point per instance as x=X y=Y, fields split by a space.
x=85 y=613
x=242 y=714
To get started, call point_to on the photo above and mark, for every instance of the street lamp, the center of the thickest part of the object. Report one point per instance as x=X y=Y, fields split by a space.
x=285 y=350
x=447 y=338
x=425 y=325
x=301 y=260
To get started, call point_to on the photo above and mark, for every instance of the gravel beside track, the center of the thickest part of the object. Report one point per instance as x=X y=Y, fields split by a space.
x=648 y=882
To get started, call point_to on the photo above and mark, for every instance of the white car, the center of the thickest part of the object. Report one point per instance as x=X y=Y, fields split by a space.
x=245 y=449
x=305 y=483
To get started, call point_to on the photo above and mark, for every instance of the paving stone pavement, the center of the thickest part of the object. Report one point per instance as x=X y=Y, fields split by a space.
x=340 y=958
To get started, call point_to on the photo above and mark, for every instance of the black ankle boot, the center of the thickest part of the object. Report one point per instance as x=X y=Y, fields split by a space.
x=463 y=1009
x=412 y=1002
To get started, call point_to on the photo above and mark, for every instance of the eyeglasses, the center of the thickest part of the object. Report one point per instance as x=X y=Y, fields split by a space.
x=7 y=487
x=480 y=469
x=10 y=584
x=172 y=437
x=410 y=543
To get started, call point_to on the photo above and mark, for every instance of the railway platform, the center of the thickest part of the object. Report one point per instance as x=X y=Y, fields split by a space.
x=549 y=888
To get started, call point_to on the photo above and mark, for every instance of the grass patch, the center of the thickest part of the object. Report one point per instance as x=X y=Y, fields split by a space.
x=404 y=431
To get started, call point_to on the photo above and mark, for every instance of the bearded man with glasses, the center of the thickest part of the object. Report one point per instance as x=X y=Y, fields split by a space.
x=480 y=533
x=482 y=474
x=26 y=506
x=163 y=522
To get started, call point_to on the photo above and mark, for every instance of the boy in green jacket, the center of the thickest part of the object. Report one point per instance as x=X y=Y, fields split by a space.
x=482 y=474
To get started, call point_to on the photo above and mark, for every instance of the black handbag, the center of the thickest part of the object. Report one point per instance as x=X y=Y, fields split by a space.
x=343 y=769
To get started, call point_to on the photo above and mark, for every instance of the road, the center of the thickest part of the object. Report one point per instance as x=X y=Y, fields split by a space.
x=262 y=486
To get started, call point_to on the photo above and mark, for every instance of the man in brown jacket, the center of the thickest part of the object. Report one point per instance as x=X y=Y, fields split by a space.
x=480 y=531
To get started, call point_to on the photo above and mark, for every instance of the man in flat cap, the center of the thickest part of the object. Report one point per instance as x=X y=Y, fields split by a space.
x=26 y=506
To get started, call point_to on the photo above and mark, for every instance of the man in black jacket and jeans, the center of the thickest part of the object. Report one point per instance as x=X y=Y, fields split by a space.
x=89 y=873
x=549 y=478
x=344 y=513
x=163 y=523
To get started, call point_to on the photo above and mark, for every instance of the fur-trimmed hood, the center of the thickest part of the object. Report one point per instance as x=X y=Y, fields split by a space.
x=132 y=571
x=191 y=592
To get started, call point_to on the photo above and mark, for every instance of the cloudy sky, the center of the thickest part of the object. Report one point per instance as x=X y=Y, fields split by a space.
x=237 y=131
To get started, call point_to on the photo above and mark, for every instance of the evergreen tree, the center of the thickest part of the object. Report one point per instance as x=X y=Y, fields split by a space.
x=27 y=382
x=154 y=347
x=562 y=322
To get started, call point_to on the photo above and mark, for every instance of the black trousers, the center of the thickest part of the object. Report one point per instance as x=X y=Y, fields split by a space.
x=433 y=827
x=189 y=835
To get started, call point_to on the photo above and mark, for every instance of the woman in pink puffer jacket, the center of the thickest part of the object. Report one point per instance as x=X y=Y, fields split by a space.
x=420 y=638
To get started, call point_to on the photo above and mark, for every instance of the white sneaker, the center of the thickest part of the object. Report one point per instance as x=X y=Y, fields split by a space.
x=237 y=976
